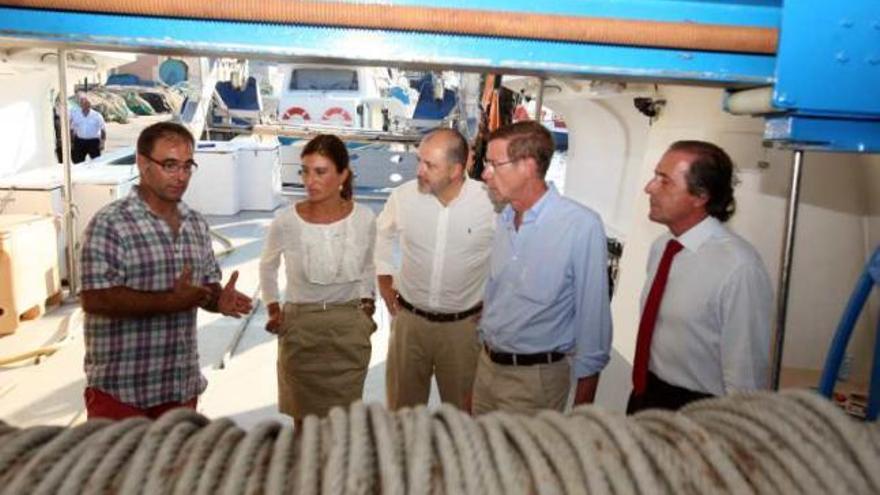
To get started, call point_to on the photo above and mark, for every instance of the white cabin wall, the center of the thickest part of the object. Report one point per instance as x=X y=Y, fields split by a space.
x=872 y=181
x=27 y=137
x=828 y=259
x=830 y=245
x=871 y=174
x=611 y=136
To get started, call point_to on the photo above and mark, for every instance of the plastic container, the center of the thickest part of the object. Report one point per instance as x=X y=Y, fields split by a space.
x=259 y=172
x=28 y=267
x=97 y=185
x=214 y=188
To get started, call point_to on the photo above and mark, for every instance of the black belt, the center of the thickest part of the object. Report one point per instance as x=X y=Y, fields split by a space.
x=510 y=359
x=438 y=317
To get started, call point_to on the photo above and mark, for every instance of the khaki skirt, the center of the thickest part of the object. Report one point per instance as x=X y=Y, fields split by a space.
x=323 y=355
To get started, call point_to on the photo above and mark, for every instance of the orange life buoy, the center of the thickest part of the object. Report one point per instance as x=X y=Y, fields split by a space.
x=337 y=112
x=296 y=112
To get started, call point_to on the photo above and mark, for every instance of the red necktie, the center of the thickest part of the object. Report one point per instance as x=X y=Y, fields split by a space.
x=649 y=317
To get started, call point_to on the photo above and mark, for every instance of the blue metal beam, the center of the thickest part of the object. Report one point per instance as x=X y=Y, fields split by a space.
x=823 y=134
x=829 y=59
x=360 y=46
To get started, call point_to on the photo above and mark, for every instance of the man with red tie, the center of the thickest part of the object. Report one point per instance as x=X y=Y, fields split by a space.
x=706 y=305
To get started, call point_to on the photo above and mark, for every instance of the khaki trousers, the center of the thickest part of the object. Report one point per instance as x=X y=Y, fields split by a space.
x=521 y=389
x=419 y=348
x=323 y=355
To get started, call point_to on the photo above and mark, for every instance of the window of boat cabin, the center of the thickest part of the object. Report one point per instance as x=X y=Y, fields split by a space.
x=324 y=80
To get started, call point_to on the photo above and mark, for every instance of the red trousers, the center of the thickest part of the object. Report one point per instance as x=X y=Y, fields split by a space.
x=103 y=405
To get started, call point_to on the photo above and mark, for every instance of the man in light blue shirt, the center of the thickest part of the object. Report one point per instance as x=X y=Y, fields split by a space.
x=546 y=314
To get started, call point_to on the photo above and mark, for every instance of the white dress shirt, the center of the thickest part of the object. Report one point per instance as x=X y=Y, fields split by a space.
x=713 y=329
x=444 y=250
x=323 y=262
x=86 y=126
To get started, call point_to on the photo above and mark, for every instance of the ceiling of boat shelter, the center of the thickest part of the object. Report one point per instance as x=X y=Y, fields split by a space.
x=420 y=49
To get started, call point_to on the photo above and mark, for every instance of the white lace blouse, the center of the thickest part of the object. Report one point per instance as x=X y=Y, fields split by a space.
x=323 y=262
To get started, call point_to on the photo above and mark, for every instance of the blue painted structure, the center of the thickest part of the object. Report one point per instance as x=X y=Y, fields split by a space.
x=828 y=76
x=127 y=80
x=245 y=98
x=429 y=108
x=173 y=71
x=374 y=47
x=827 y=69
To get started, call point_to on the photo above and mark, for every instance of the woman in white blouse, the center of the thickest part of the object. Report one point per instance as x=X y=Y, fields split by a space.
x=325 y=322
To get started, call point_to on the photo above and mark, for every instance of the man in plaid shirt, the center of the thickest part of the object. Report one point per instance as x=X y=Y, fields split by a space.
x=147 y=265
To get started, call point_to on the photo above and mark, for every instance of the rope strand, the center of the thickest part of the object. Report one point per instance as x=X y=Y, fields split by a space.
x=793 y=442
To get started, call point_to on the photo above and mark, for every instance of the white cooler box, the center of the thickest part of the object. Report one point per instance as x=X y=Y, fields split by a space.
x=214 y=187
x=96 y=185
x=28 y=266
x=259 y=171
x=35 y=192
x=39 y=192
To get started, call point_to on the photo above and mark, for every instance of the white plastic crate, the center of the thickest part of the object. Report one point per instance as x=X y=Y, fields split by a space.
x=259 y=170
x=214 y=187
x=28 y=266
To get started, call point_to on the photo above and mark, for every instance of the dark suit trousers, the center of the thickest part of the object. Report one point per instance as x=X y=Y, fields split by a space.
x=660 y=394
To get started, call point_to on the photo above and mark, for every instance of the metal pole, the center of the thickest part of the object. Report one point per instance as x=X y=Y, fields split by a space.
x=785 y=267
x=239 y=332
x=539 y=101
x=69 y=226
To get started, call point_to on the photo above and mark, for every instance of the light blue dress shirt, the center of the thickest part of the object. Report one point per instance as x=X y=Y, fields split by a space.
x=548 y=284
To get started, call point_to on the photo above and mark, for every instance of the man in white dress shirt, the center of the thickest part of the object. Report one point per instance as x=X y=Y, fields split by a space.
x=442 y=223
x=88 y=129
x=709 y=334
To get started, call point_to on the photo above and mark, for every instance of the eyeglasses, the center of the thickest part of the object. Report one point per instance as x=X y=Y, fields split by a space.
x=174 y=166
x=490 y=165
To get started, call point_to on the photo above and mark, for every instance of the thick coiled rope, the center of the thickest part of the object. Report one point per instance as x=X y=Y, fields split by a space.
x=793 y=442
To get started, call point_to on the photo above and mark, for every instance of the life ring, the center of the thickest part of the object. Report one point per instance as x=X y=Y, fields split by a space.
x=293 y=112
x=337 y=113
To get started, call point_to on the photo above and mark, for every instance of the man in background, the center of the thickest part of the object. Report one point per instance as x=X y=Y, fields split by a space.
x=89 y=131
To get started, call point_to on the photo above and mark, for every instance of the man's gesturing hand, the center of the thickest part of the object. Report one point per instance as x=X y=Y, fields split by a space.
x=187 y=294
x=232 y=302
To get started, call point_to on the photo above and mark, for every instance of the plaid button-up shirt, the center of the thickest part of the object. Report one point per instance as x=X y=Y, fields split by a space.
x=144 y=361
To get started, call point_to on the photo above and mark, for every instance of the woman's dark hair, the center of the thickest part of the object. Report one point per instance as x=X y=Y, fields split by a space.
x=711 y=173
x=333 y=149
